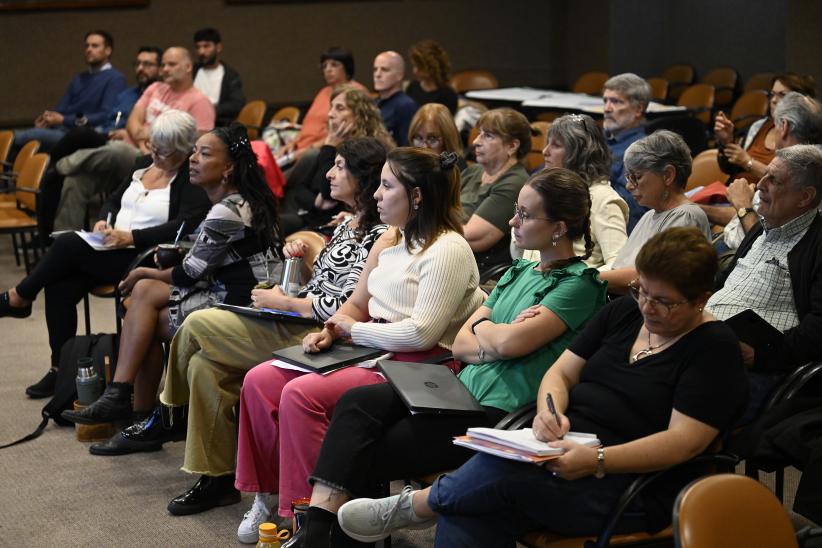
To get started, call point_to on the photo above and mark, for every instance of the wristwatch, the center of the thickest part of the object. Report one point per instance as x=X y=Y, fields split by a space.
x=600 y=473
x=743 y=211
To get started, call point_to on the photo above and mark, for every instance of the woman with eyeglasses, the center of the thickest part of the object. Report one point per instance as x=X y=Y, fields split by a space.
x=237 y=246
x=657 y=168
x=656 y=378
x=749 y=158
x=493 y=183
x=147 y=209
x=529 y=319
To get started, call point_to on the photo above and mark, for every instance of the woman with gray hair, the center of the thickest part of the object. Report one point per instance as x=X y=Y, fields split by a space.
x=576 y=143
x=657 y=168
x=144 y=211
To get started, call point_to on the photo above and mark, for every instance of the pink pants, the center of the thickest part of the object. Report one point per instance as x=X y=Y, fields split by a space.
x=284 y=415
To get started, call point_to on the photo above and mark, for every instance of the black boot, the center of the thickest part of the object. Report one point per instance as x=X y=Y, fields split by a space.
x=164 y=424
x=315 y=530
x=113 y=405
x=209 y=492
x=44 y=388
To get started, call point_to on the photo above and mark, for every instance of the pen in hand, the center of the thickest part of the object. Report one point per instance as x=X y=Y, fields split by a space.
x=552 y=408
x=108 y=220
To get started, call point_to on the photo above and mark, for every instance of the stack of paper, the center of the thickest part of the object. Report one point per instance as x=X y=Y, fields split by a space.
x=519 y=445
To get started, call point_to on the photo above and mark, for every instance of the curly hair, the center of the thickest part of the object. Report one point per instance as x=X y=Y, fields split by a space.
x=248 y=179
x=364 y=158
x=367 y=119
x=429 y=57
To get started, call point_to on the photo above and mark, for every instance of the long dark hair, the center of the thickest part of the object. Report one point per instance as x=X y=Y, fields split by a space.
x=248 y=179
x=565 y=197
x=438 y=180
x=364 y=158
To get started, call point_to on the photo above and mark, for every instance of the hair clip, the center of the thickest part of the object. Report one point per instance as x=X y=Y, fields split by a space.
x=448 y=160
x=576 y=117
x=239 y=146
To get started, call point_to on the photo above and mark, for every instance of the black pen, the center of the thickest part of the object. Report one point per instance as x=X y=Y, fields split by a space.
x=551 y=407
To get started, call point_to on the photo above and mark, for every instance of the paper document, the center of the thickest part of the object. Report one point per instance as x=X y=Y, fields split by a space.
x=519 y=445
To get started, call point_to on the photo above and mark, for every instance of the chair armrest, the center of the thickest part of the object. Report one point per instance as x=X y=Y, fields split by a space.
x=794 y=382
x=807 y=533
x=517 y=418
x=494 y=270
x=724 y=460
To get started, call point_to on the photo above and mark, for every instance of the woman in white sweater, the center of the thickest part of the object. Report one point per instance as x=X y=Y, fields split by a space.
x=575 y=142
x=418 y=287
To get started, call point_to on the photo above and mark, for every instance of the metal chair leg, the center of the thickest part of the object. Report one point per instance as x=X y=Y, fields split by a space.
x=16 y=249
x=87 y=313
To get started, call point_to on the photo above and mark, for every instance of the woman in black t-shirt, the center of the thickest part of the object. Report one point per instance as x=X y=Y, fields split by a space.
x=655 y=377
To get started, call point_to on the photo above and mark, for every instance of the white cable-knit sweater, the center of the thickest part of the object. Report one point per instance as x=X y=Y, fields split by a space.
x=426 y=296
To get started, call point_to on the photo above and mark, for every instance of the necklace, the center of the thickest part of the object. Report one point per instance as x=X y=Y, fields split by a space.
x=645 y=352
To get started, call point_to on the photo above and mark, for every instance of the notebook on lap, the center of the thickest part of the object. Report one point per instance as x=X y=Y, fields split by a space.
x=430 y=388
x=336 y=357
x=267 y=313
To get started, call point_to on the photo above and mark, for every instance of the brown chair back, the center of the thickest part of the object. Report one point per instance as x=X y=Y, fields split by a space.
x=289 y=113
x=724 y=81
x=251 y=116
x=729 y=510
x=679 y=77
x=659 y=88
x=470 y=80
x=6 y=138
x=29 y=180
x=751 y=106
x=534 y=159
x=590 y=83
x=700 y=99
x=705 y=170
x=26 y=151
x=761 y=80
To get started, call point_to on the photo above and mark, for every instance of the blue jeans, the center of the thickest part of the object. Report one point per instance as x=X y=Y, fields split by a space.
x=48 y=136
x=491 y=502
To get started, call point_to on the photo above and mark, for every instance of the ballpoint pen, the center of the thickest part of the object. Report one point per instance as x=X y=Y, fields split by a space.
x=552 y=408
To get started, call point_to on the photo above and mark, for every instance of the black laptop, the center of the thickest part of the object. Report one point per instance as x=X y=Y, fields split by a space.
x=336 y=357
x=267 y=313
x=753 y=330
x=430 y=388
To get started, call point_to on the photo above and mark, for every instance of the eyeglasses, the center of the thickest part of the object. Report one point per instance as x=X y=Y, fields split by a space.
x=522 y=216
x=427 y=140
x=661 y=308
x=777 y=94
x=633 y=178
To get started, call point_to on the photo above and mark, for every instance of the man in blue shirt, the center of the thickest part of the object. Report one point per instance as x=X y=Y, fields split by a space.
x=88 y=99
x=626 y=96
x=146 y=72
x=396 y=107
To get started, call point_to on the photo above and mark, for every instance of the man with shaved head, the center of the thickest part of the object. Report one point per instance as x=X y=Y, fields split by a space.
x=90 y=171
x=395 y=106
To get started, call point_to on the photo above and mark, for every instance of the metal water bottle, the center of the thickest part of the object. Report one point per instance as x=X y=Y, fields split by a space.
x=88 y=382
x=290 y=282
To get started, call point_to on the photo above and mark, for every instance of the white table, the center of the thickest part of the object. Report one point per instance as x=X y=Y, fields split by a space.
x=551 y=99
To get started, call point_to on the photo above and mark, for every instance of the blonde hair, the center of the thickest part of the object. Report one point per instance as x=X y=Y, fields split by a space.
x=367 y=119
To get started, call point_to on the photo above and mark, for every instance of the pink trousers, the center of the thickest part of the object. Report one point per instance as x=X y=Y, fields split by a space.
x=284 y=415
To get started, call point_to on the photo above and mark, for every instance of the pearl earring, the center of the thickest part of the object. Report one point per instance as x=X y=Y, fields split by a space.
x=416 y=206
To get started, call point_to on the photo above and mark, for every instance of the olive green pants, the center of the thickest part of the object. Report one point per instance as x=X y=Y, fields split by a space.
x=209 y=357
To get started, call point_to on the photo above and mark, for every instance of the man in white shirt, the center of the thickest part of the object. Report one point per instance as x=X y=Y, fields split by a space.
x=219 y=82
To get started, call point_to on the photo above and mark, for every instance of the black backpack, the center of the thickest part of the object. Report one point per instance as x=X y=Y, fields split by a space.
x=102 y=348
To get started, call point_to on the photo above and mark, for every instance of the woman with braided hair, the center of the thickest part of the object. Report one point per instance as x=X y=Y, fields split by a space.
x=418 y=287
x=237 y=246
x=529 y=319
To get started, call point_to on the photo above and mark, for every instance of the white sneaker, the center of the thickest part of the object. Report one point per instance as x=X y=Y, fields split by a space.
x=249 y=530
x=370 y=520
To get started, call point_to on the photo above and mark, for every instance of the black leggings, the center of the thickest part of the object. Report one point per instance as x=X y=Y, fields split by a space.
x=373 y=438
x=69 y=270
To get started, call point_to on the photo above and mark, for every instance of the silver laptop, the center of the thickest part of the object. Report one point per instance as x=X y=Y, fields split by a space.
x=430 y=388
